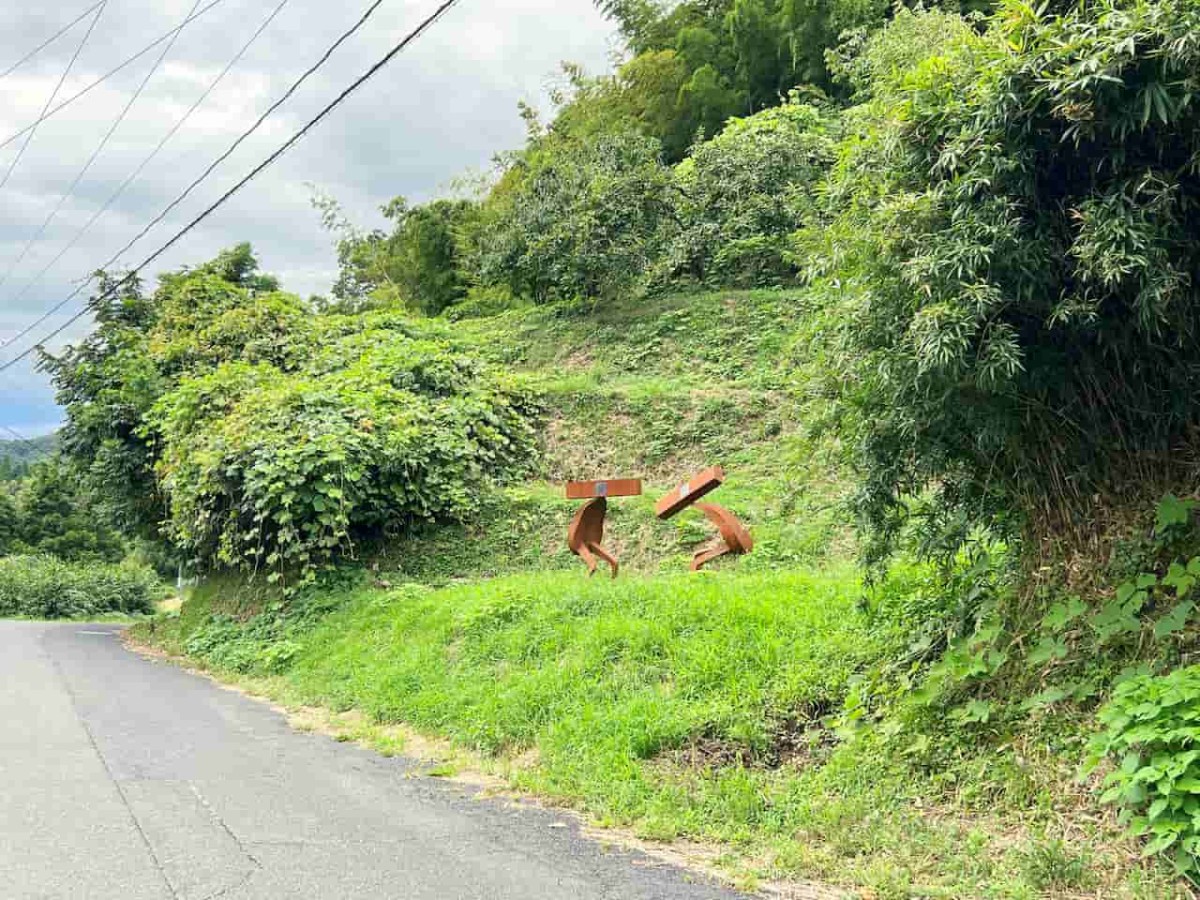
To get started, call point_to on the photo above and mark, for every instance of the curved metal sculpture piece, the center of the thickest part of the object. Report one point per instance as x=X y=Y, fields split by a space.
x=735 y=539
x=585 y=537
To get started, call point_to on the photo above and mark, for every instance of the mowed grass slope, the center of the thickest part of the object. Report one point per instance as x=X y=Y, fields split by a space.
x=654 y=389
x=677 y=706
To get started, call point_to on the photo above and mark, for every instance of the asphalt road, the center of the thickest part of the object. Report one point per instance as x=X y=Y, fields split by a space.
x=127 y=779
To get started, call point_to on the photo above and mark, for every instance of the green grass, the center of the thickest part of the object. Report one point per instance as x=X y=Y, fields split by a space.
x=707 y=707
x=676 y=706
x=695 y=339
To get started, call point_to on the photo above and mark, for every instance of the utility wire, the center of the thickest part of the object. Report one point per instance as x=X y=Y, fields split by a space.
x=50 y=40
x=87 y=166
x=208 y=171
x=111 y=292
x=54 y=95
x=109 y=74
x=141 y=168
x=20 y=437
x=258 y=124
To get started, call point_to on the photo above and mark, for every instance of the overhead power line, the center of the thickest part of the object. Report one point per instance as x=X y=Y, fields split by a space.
x=109 y=74
x=87 y=166
x=20 y=437
x=53 y=95
x=50 y=40
x=350 y=32
x=130 y=276
x=141 y=168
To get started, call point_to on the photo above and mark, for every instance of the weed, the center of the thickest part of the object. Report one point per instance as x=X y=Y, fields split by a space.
x=1053 y=866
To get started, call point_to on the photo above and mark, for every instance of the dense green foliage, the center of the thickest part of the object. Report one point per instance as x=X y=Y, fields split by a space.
x=275 y=437
x=1151 y=729
x=698 y=63
x=740 y=197
x=17 y=456
x=593 y=206
x=49 y=511
x=575 y=218
x=55 y=514
x=1012 y=248
x=420 y=263
x=44 y=587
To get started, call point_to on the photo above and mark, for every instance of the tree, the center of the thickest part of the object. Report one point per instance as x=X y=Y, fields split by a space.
x=141 y=346
x=575 y=218
x=741 y=196
x=425 y=252
x=56 y=515
x=1012 y=270
x=10 y=523
x=418 y=265
x=257 y=435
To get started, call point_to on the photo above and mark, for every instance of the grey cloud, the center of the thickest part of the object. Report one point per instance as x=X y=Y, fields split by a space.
x=446 y=106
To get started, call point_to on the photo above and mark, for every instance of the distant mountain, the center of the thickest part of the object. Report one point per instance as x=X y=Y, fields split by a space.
x=17 y=456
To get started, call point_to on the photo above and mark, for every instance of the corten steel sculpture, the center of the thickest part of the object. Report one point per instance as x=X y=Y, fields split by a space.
x=735 y=539
x=585 y=537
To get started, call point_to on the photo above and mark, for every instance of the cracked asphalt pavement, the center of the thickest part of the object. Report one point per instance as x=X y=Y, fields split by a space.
x=125 y=778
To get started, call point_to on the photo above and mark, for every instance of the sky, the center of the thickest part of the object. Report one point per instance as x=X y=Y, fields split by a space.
x=441 y=110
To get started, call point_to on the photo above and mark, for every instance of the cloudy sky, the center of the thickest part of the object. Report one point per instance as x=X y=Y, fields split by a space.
x=440 y=110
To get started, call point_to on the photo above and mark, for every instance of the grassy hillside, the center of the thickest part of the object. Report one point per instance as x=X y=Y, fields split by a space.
x=655 y=391
x=725 y=707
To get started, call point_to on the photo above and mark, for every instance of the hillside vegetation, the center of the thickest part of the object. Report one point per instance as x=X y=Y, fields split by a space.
x=922 y=280
x=735 y=706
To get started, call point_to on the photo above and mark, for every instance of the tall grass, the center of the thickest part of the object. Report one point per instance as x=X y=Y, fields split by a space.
x=43 y=587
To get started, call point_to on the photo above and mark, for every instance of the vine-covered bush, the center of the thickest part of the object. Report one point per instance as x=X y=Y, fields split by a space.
x=574 y=218
x=43 y=587
x=1152 y=735
x=1011 y=263
x=274 y=437
x=378 y=431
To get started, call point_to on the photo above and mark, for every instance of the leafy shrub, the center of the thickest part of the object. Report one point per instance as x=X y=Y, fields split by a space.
x=275 y=437
x=56 y=515
x=1152 y=733
x=873 y=61
x=575 y=218
x=417 y=266
x=380 y=430
x=742 y=194
x=1011 y=263
x=43 y=587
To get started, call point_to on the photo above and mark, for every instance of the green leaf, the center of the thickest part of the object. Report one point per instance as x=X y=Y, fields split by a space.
x=1046 y=698
x=1160 y=843
x=1049 y=648
x=977 y=711
x=1173 y=513
x=1063 y=614
x=1174 y=621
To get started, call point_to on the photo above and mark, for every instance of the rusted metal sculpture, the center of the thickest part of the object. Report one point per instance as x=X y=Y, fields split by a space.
x=585 y=536
x=734 y=539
